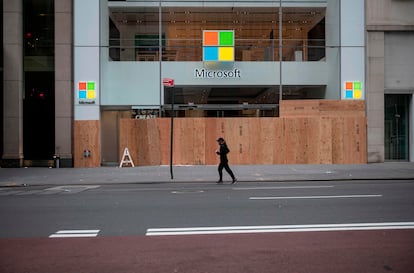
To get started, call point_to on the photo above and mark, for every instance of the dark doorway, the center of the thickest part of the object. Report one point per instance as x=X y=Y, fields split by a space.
x=39 y=116
x=397 y=127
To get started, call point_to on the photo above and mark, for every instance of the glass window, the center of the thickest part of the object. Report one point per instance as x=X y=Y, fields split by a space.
x=134 y=34
x=303 y=34
x=39 y=29
x=135 y=31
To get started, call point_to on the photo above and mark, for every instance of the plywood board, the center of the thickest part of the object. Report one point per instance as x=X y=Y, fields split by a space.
x=278 y=148
x=264 y=142
x=164 y=125
x=289 y=140
x=325 y=141
x=199 y=145
x=299 y=108
x=87 y=137
x=307 y=108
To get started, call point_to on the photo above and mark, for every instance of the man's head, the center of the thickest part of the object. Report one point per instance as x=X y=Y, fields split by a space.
x=220 y=140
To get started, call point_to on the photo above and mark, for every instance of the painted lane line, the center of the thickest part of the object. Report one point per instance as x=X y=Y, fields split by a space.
x=316 y=197
x=277 y=228
x=75 y=233
x=281 y=188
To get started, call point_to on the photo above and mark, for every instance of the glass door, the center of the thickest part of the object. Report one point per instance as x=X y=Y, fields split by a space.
x=397 y=127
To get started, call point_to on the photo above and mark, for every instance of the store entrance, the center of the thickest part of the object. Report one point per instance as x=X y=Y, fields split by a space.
x=397 y=127
x=233 y=101
x=225 y=101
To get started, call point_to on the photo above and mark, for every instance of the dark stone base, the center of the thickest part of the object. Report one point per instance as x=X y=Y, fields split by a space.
x=11 y=163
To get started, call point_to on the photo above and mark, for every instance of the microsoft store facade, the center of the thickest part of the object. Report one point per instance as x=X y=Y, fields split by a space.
x=226 y=58
x=74 y=70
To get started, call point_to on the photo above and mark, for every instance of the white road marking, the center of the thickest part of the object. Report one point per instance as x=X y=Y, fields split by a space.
x=281 y=188
x=187 y=191
x=315 y=197
x=75 y=233
x=277 y=228
x=73 y=188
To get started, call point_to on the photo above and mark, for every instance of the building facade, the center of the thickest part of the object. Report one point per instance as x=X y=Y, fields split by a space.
x=390 y=82
x=71 y=63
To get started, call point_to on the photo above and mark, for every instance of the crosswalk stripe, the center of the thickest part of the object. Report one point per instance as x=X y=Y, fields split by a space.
x=278 y=228
x=75 y=233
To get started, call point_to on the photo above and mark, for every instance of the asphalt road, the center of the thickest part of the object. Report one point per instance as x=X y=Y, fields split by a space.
x=358 y=226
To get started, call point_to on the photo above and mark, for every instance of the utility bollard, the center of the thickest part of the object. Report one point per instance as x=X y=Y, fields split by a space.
x=56 y=158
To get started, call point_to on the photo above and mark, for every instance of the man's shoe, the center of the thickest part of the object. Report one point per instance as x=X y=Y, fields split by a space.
x=234 y=180
x=219 y=182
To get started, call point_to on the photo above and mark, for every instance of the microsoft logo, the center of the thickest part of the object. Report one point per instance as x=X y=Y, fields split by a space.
x=218 y=45
x=86 y=92
x=353 y=90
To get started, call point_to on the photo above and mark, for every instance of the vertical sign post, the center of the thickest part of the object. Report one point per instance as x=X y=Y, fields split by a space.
x=170 y=83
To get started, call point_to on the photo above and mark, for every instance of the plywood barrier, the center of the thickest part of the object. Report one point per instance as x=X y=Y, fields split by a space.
x=288 y=140
x=87 y=138
x=330 y=108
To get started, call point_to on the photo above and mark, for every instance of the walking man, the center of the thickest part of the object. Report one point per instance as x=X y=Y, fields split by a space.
x=224 y=162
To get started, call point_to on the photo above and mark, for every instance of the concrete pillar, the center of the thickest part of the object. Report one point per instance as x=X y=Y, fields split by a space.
x=63 y=82
x=13 y=83
x=375 y=96
x=86 y=83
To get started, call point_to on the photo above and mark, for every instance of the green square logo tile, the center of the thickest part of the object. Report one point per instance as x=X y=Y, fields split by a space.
x=91 y=85
x=226 y=38
x=357 y=85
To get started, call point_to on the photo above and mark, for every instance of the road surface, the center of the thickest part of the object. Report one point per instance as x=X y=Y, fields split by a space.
x=358 y=226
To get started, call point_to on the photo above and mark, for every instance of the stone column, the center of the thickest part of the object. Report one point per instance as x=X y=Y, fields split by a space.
x=375 y=96
x=13 y=83
x=63 y=82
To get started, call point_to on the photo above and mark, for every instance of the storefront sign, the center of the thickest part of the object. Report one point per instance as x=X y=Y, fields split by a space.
x=218 y=46
x=86 y=92
x=204 y=73
x=353 y=90
x=218 y=56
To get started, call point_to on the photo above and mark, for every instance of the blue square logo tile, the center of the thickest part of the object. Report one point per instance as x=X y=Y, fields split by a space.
x=211 y=54
x=82 y=94
x=349 y=94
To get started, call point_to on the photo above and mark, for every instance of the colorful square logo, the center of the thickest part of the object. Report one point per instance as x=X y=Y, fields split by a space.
x=87 y=92
x=353 y=90
x=218 y=45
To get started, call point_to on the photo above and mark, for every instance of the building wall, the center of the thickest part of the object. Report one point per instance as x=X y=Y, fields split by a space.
x=385 y=20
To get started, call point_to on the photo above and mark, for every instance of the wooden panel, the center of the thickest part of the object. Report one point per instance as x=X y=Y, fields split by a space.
x=306 y=108
x=278 y=148
x=313 y=139
x=289 y=140
x=183 y=141
x=237 y=135
x=164 y=125
x=199 y=135
x=86 y=137
x=341 y=108
x=265 y=142
x=153 y=146
x=338 y=125
x=325 y=141
x=290 y=108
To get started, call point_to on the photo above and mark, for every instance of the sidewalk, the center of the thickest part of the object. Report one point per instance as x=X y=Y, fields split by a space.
x=161 y=174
